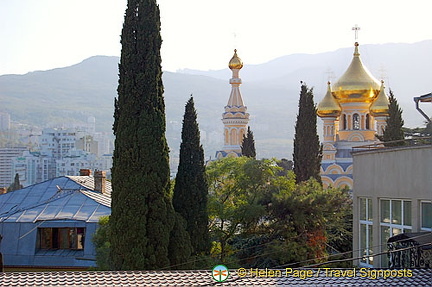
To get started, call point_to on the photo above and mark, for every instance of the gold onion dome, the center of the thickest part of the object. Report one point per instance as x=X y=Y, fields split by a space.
x=235 y=62
x=379 y=107
x=357 y=84
x=328 y=107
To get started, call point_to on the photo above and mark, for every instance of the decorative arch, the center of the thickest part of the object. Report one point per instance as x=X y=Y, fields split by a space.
x=349 y=170
x=334 y=169
x=356 y=137
x=326 y=182
x=328 y=146
x=344 y=181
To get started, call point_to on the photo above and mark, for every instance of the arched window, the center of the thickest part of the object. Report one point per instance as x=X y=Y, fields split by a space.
x=367 y=121
x=356 y=122
x=344 y=122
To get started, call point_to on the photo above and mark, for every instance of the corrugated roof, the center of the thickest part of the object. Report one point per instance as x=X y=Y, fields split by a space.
x=61 y=198
x=419 y=277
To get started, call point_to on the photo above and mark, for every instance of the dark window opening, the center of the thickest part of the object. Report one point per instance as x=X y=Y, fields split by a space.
x=61 y=238
x=356 y=122
x=367 y=121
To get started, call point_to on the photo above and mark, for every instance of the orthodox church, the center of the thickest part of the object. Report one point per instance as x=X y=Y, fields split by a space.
x=235 y=118
x=353 y=111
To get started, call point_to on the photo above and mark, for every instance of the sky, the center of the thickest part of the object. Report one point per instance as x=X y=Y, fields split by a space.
x=201 y=34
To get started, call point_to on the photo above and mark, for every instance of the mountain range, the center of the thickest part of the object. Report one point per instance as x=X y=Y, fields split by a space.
x=270 y=91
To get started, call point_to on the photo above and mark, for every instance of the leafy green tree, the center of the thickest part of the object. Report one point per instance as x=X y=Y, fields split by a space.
x=307 y=151
x=16 y=184
x=101 y=240
x=142 y=215
x=394 y=123
x=261 y=218
x=191 y=189
x=248 y=144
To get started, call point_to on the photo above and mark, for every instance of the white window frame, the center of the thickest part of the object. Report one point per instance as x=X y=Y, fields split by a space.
x=368 y=223
x=421 y=215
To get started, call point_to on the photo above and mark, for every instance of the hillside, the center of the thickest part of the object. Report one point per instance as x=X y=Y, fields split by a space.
x=270 y=90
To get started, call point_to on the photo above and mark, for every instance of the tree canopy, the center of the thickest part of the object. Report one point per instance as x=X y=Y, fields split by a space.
x=260 y=217
x=248 y=144
x=190 y=189
x=307 y=150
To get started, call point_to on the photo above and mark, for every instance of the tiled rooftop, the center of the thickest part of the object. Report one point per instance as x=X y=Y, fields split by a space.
x=420 y=277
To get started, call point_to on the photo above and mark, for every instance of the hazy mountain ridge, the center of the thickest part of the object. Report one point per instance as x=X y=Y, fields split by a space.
x=270 y=91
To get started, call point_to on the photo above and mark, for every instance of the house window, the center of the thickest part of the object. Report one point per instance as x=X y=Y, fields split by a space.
x=395 y=218
x=356 y=122
x=365 y=240
x=61 y=238
x=426 y=216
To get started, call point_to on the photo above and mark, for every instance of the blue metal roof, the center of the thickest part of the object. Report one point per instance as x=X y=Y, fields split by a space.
x=61 y=198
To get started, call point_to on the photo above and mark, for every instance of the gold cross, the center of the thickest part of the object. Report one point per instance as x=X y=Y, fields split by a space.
x=356 y=28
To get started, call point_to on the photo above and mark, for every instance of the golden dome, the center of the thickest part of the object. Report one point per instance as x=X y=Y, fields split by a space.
x=357 y=84
x=235 y=62
x=328 y=107
x=379 y=107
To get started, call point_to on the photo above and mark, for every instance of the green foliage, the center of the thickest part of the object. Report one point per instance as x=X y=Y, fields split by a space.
x=180 y=248
x=248 y=144
x=16 y=184
x=394 y=123
x=142 y=215
x=101 y=240
x=191 y=190
x=307 y=151
x=261 y=218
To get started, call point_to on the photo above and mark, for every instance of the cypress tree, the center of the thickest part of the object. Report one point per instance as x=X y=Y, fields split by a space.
x=248 y=144
x=191 y=189
x=307 y=151
x=394 y=123
x=142 y=213
x=16 y=184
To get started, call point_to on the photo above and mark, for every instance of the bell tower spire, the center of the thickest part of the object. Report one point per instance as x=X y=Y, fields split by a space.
x=235 y=118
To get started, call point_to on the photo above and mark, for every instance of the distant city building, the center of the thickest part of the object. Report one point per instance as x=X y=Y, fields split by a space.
x=56 y=143
x=4 y=121
x=353 y=110
x=235 y=118
x=7 y=154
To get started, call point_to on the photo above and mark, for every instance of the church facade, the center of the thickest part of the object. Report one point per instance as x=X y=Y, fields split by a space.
x=353 y=111
x=235 y=118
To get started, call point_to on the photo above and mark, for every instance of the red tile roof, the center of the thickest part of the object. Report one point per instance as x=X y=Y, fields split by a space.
x=419 y=277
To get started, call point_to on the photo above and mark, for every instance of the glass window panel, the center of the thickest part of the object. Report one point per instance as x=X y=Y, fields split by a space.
x=396 y=231
x=407 y=213
x=370 y=244
x=396 y=214
x=363 y=243
x=64 y=238
x=385 y=235
x=369 y=208
x=363 y=208
x=385 y=211
x=426 y=213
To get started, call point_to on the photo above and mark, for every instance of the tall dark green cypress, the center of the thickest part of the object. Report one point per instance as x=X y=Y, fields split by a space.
x=248 y=144
x=142 y=213
x=394 y=123
x=307 y=150
x=191 y=189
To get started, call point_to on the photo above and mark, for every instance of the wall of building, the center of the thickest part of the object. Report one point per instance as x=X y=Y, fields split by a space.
x=402 y=174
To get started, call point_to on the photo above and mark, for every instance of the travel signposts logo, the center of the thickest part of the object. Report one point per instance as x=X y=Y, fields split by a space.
x=220 y=273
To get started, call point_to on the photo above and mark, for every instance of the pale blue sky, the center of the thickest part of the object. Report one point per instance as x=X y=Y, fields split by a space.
x=199 y=34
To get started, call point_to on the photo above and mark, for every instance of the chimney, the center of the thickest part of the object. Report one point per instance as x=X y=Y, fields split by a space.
x=99 y=181
x=3 y=190
x=85 y=172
